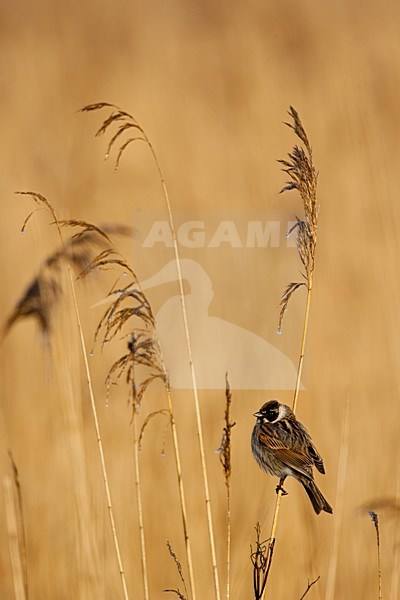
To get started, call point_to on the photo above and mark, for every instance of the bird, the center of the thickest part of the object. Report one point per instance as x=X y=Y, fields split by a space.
x=282 y=446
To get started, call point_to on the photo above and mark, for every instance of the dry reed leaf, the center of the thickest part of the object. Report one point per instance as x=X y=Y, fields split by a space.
x=165 y=412
x=177 y=592
x=96 y=106
x=291 y=288
x=180 y=571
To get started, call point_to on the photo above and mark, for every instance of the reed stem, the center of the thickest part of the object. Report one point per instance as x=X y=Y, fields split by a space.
x=131 y=124
x=193 y=378
x=182 y=498
x=139 y=507
x=295 y=399
x=228 y=544
x=302 y=177
x=12 y=531
x=99 y=442
x=340 y=491
x=303 y=343
x=95 y=418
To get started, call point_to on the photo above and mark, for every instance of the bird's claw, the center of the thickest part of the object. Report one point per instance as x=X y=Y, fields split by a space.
x=279 y=488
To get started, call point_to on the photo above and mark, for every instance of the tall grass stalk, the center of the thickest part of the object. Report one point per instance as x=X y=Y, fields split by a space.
x=139 y=507
x=178 y=467
x=67 y=376
x=192 y=374
x=181 y=495
x=302 y=177
x=13 y=539
x=339 y=504
x=20 y=522
x=43 y=202
x=394 y=584
x=303 y=344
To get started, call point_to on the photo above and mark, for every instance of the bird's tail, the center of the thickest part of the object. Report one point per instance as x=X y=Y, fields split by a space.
x=317 y=499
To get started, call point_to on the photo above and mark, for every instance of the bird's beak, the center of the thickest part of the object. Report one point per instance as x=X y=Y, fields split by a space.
x=258 y=415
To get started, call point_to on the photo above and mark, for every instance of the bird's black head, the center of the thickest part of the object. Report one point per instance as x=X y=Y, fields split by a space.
x=269 y=411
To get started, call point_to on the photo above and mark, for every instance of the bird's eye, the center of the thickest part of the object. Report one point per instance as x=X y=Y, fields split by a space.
x=272 y=411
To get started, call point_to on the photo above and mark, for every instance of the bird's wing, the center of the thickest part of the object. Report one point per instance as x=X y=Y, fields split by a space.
x=316 y=458
x=303 y=437
x=295 y=460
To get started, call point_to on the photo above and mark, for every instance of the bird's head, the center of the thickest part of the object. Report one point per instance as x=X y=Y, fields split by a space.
x=272 y=412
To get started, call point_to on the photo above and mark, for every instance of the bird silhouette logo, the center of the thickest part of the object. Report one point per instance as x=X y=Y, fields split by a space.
x=218 y=345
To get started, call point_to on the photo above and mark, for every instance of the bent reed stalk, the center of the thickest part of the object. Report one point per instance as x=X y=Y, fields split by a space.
x=142 y=351
x=118 y=116
x=128 y=123
x=303 y=177
x=193 y=377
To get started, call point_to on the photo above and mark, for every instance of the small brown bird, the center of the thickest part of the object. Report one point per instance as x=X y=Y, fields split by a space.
x=282 y=446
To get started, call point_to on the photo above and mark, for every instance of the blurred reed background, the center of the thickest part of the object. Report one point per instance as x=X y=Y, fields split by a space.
x=211 y=83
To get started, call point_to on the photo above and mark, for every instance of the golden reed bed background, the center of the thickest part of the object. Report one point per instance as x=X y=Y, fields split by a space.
x=211 y=83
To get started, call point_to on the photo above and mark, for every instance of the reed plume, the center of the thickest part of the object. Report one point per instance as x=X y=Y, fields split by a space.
x=303 y=177
x=225 y=451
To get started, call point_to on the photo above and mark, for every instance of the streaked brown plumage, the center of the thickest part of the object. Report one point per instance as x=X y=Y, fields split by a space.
x=282 y=446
